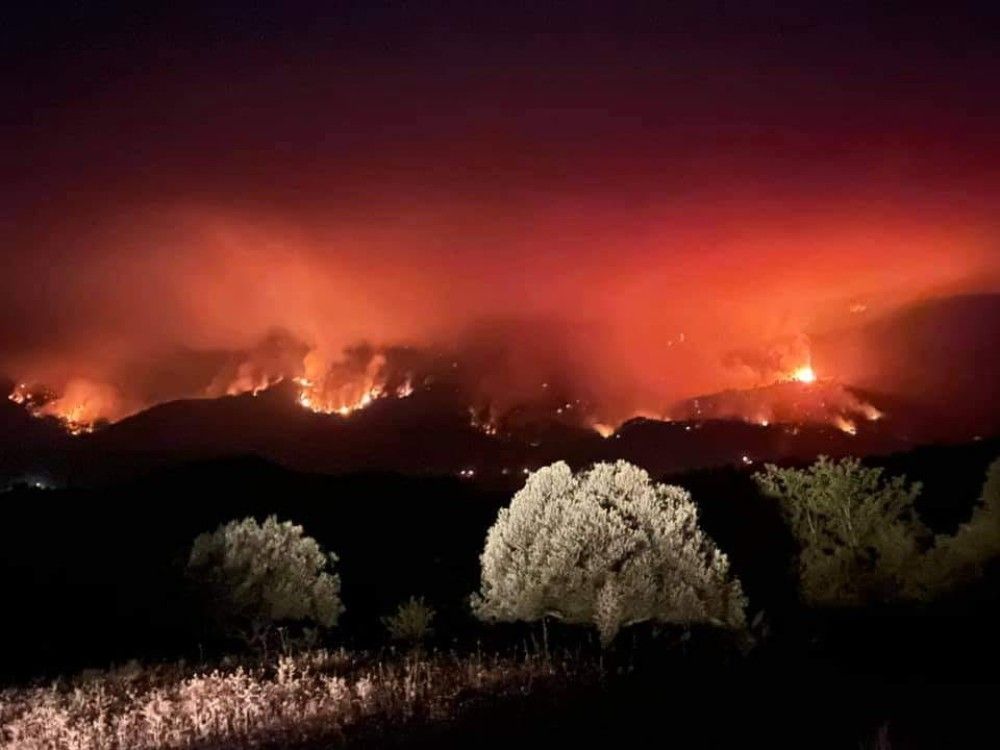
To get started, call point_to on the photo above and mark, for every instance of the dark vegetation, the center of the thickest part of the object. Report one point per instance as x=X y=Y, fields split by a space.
x=96 y=576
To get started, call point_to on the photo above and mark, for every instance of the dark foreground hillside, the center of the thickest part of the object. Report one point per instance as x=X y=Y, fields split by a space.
x=95 y=577
x=691 y=690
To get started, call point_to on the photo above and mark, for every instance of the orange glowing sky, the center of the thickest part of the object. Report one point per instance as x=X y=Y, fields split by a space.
x=649 y=214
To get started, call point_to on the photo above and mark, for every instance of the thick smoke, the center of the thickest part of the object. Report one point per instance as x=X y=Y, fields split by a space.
x=769 y=363
x=186 y=305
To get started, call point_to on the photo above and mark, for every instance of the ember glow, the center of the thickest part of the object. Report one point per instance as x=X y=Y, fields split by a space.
x=604 y=430
x=845 y=425
x=484 y=421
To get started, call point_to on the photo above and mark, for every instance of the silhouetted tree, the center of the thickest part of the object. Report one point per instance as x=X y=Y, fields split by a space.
x=959 y=559
x=263 y=573
x=858 y=534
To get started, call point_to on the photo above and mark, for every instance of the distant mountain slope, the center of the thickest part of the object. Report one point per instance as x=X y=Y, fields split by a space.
x=927 y=373
x=426 y=434
x=943 y=354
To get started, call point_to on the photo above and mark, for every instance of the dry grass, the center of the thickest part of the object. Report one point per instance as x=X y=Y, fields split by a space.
x=318 y=695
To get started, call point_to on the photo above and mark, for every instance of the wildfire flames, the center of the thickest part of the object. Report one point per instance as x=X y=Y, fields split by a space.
x=348 y=399
x=804 y=375
x=798 y=398
x=343 y=386
x=337 y=389
x=604 y=430
x=80 y=408
x=360 y=376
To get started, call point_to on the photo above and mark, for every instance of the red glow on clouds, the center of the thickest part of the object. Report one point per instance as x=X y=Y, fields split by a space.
x=630 y=331
x=633 y=224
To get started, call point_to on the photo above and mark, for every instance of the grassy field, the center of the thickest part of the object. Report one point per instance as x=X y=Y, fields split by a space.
x=317 y=698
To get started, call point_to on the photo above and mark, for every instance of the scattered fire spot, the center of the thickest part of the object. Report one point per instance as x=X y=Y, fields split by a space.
x=845 y=425
x=604 y=430
x=804 y=374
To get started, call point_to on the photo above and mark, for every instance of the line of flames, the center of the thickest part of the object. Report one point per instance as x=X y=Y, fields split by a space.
x=78 y=409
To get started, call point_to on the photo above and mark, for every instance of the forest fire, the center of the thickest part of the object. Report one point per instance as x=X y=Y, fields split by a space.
x=335 y=389
x=349 y=346
x=359 y=377
x=800 y=399
x=80 y=408
x=347 y=399
x=363 y=375
x=804 y=374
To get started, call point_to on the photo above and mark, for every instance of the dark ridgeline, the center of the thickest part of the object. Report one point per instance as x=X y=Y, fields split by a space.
x=894 y=363
x=427 y=434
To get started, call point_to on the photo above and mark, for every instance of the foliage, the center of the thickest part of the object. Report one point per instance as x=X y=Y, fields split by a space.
x=606 y=547
x=318 y=698
x=959 y=559
x=412 y=621
x=261 y=574
x=858 y=534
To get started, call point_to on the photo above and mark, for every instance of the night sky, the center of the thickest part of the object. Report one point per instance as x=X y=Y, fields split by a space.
x=654 y=197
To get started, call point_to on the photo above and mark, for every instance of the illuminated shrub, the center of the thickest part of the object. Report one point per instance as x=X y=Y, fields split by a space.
x=858 y=534
x=263 y=573
x=316 y=699
x=412 y=621
x=606 y=547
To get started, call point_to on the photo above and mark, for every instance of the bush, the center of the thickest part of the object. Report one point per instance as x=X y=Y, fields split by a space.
x=606 y=547
x=412 y=621
x=261 y=574
x=858 y=534
x=959 y=559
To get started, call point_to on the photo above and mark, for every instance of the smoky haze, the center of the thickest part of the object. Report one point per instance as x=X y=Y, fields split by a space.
x=637 y=223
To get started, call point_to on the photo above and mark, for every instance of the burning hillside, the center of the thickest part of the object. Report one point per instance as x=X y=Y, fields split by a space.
x=578 y=231
x=338 y=389
x=80 y=408
x=487 y=410
x=363 y=375
x=360 y=376
x=511 y=380
x=799 y=400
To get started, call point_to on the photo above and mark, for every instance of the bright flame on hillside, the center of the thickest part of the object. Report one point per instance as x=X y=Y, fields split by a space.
x=602 y=429
x=845 y=425
x=344 y=382
x=341 y=385
x=325 y=390
x=804 y=374
x=81 y=406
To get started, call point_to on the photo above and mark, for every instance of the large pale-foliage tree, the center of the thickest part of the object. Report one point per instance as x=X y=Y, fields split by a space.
x=606 y=547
